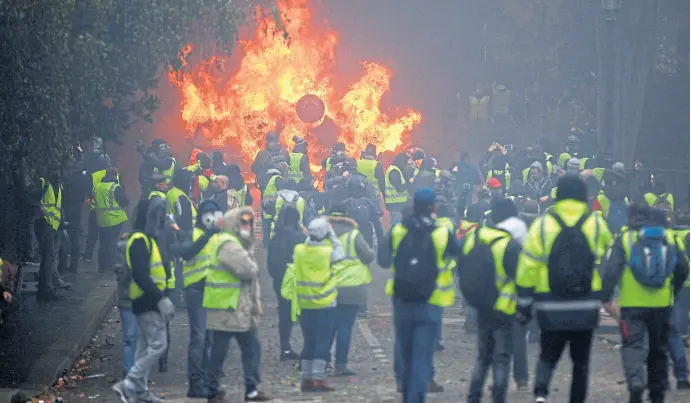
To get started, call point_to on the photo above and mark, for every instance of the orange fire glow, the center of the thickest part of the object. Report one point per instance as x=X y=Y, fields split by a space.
x=237 y=107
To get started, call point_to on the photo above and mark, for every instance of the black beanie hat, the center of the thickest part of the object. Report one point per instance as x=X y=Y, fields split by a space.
x=570 y=186
x=502 y=209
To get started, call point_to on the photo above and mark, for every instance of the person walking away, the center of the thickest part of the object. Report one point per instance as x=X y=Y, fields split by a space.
x=425 y=177
x=486 y=273
x=315 y=295
x=232 y=300
x=128 y=320
x=557 y=274
x=109 y=202
x=146 y=291
x=418 y=252
x=196 y=249
x=183 y=213
x=269 y=158
x=275 y=181
x=372 y=169
x=679 y=325
x=612 y=202
x=289 y=233
x=650 y=272
x=396 y=188
x=468 y=181
x=286 y=196
x=352 y=276
x=77 y=190
x=96 y=166
x=445 y=217
x=47 y=194
x=299 y=166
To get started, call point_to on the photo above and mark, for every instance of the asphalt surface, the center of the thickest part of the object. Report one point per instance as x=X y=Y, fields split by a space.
x=371 y=356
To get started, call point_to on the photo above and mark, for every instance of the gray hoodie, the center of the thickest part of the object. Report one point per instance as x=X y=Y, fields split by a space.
x=516 y=227
x=352 y=295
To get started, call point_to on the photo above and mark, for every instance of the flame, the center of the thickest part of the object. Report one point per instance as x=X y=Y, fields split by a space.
x=236 y=108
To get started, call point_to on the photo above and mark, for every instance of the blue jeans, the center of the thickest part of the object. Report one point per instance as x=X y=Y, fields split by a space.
x=128 y=321
x=317 y=328
x=343 y=331
x=677 y=352
x=417 y=330
x=199 y=345
x=470 y=315
x=250 y=353
x=494 y=350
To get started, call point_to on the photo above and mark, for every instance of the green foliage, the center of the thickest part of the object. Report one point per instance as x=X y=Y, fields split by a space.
x=73 y=69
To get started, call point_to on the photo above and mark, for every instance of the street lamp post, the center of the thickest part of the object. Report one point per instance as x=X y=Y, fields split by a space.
x=611 y=9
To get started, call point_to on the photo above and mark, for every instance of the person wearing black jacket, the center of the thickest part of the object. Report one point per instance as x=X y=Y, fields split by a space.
x=425 y=177
x=397 y=180
x=149 y=304
x=77 y=190
x=280 y=253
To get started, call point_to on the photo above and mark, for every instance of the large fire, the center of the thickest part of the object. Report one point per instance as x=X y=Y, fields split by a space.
x=236 y=108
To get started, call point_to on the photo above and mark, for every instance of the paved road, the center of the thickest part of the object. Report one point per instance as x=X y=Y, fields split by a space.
x=371 y=356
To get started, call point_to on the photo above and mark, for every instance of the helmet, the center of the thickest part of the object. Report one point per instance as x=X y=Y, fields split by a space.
x=572 y=139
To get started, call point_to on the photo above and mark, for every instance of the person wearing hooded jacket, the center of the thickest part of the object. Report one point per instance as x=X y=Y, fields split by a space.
x=299 y=166
x=352 y=275
x=158 y=156
x=149 y=270
x=286 y=195
x=232 y=300
x=268 y=158
x=396 y=188
x=372 y=169
x=426 y=176
x=289 y=233
x=196 y=248
x=538 y=186
x=562 y=320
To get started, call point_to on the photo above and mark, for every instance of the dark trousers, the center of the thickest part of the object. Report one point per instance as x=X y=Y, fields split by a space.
x=317 y=326
x=63 y=247
x=639 y=358
x=417 y=330
x=47 y=245
x=74 y=232
x=91 y=236
x=552 y=344
x=344 y=319
x=285 y=323
x=107 y=247
x=250 y=352
x=200 y=343
x=494 y=347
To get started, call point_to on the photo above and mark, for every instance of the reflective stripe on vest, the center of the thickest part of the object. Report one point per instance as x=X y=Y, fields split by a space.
x=157 y=271
x=107 y=209
x=316 y=285
x=222 y=288
x=506 y=302
x=299 y=204
x=444 y=294
x=196 y=269
x=391 y=196
x=680 y=236
x=157 y=193
x=269 y=191
x=633 y=294
x=51 y=206
x=167 y=173
x=294 y=172
x=172 y=199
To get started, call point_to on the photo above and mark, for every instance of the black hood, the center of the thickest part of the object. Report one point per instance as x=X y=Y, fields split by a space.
x=182 y=179
x=149 y=216
x=400 y=160
x=418 y=223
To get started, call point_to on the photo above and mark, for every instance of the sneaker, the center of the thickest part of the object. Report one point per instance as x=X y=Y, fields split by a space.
x=434 y=387
x=540 y=399
x=683 y=385
x=257 y=396
x=62 y=284
x=344 y=371
x=125 y=391
x=289 y=355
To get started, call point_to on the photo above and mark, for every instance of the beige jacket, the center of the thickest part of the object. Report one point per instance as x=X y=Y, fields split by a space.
x=240 y=261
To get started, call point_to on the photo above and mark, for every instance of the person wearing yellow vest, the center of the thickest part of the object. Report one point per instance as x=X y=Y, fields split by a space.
x=232 y=303
x=179 y=204
x=567 y=305
x=352 y=275
x=227 y=198
x=92 y=227
x=573 y=147
x=109 y=202
x=649 y=272
x=149 y=271
x=161 y=159
x=289 y=233
x=299 y=166
x=48 y=197
x=274 y=183
x=159 y=187
x=286 y=196
x=500 y=172
x=272 y=156
x=196 y=249
x=372 y=169
x=420 y=290
x=396 y=188
x=315 y=295
x=497 y=316
x=479 y=108
x=337 y=155
x=679 y=324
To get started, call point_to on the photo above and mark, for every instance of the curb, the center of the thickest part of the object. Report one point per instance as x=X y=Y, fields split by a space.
x=48 y=368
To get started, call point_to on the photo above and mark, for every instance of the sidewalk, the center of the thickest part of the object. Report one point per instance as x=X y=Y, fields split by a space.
x=41 y=340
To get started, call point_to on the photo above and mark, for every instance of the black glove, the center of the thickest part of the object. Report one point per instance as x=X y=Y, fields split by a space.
x=524 y=315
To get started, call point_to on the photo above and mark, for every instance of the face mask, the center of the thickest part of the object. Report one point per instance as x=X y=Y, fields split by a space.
x=245 y=233
x=209 y=219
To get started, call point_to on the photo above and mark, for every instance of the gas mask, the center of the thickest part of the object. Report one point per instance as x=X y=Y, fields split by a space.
x=210 y=219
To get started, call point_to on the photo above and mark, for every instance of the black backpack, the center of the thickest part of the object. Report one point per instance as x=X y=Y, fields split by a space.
x=358 y=210
x=415 y=263
x=571 y=260
x=477 y=274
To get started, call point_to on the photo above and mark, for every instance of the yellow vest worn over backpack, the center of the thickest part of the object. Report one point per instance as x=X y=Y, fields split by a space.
x=157 y=193
x=156 y=270
x=314 y=279
x=51 y=205
x=107 y=209
x=391 y=196
x=222 y=288
x=445 y=292
x=351 y=271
